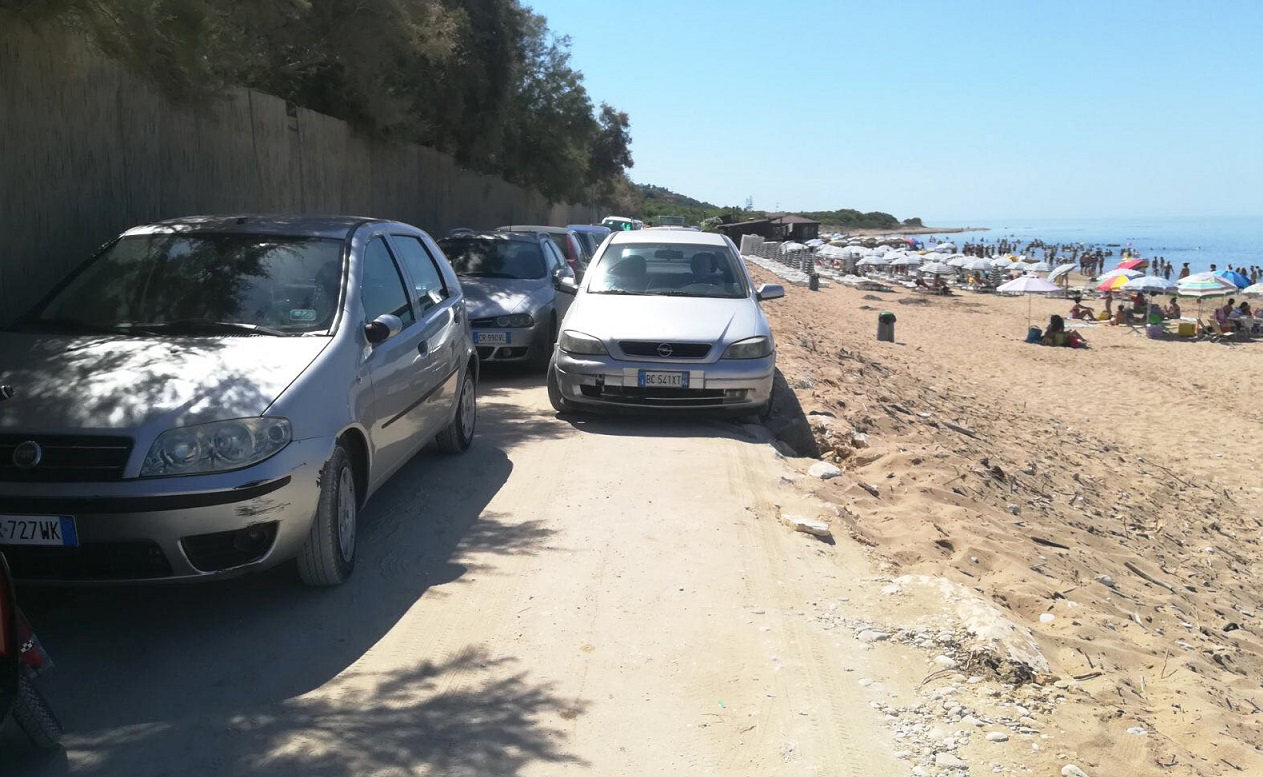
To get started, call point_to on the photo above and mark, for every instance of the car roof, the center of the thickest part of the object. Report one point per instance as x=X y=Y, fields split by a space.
x=597 y=228
x=534 y=228
x=639 y=236
x=473 y=234
x=335 y=227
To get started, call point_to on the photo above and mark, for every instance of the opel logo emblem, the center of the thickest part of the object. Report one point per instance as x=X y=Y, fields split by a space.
x=665 y=350
x=27 y=455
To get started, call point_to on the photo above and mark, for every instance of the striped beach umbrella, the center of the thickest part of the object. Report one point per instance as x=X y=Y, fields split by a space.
x=1133 y=264
x=1113 y=283
x=1204 y=284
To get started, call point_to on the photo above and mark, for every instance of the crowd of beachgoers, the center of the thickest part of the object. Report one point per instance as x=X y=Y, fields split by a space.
x=1128 y=293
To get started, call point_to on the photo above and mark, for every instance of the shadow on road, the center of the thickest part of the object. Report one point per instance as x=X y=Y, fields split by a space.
x=211 y=679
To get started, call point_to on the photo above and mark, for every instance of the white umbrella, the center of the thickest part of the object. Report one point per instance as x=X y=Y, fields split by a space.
x=980 y=264
x=938 y=268
x=1039 y=267
x=1205 y=284
x=1028 y=285
x=1253 y=291
x=1000 y=263
x=943 y=248
x=787 y=247
x=880 y=250
x=1149 y=284
x=907 y=261
x=958 y=261
x=873 y=261
x=814 y=243
x=1060 y=270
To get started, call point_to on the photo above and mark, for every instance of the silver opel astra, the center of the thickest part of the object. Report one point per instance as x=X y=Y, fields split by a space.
x=208 y=396
x=665 y=319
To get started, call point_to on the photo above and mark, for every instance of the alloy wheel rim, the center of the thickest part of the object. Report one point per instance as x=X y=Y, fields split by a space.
x=468 y=410
x=346 y=515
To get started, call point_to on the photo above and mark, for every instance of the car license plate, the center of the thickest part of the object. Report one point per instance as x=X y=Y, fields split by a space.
x=492 y=338
x=651 y=379
x=38 y=530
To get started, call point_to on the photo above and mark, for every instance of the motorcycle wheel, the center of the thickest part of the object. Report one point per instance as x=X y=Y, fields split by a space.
x=35 y=717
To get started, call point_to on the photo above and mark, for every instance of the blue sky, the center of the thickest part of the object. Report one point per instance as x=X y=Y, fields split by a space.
x=955 y=111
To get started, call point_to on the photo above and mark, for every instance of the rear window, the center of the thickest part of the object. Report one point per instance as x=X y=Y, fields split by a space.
x=494 y=258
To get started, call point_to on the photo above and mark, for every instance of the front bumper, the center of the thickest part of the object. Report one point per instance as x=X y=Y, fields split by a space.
x=727 y=384
x=179 y=528
x=511 y=344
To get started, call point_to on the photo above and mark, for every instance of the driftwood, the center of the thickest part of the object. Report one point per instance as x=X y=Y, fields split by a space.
x=962 y=429
x=1146 y=576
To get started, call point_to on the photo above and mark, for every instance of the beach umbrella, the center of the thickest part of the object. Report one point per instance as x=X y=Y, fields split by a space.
x=1133 y=264
x=938 y=268
x=958 y=261
x=813 y=243
x=1114 y=282
x=943 y=248
x=791 y=246
x=1060 y=271
x=1238 y=280
x=1255 y=290
x=1000 y=263
x=1149 y=284
x=873 y=261
x=1039 y=267
x=907 y=261
x=1027 y=259
x=1112 y=274
x=1204 y=284
x=980 y=264
x=1028 y=285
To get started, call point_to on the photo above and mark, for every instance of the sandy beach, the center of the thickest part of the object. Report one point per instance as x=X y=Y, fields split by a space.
x=1107 y=499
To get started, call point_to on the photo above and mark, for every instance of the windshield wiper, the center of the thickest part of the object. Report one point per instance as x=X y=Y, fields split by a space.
x=203 y=326
x=504 y=275
x=622 y=292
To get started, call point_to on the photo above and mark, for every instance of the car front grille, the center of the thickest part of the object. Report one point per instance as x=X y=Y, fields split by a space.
x=660 y=397
x=66 y=459
x=93 y=561
x=483 y=323
x=661 y=350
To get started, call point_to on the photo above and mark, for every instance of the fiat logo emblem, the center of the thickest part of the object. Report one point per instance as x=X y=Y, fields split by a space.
x=665 y=350
x=28 y=455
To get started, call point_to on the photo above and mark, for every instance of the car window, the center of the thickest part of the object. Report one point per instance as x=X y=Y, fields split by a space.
x=668 y=269
x=553 y=257
x=201 y=283
x=488 y=257
x=382 y=290
x=425 y=273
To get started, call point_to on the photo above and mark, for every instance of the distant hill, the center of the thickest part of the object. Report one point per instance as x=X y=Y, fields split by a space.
x=656 y=201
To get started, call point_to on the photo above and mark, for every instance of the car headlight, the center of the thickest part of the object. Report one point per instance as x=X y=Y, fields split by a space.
x=216 y=447
x=515 y=320
x=577 y=342
x=750 y=348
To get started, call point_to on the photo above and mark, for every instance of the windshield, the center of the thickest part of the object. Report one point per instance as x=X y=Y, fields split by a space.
x=668 y=269
x=201 y=284
x=495 y=258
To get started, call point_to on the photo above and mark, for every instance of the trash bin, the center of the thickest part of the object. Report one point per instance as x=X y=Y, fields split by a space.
x=886 y=326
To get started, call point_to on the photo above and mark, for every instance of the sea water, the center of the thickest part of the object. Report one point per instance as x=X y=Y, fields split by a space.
x=1200 y=242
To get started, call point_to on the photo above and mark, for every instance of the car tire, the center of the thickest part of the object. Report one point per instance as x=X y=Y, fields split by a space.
x=559 y=403
x=457 y=436
x=328 y=556
x=35 y=717
x=764 y=412
x=544 y=353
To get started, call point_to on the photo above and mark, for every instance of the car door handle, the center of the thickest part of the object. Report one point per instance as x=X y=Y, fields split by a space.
x=423 y=348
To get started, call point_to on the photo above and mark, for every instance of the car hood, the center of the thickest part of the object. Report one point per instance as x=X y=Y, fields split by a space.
x=488 y=297
x=64 y=384
x=693 y=319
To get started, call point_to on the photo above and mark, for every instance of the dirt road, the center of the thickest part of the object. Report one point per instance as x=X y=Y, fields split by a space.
x=606 y=597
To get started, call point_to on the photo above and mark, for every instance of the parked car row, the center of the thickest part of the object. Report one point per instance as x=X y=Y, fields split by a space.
x=210 y=396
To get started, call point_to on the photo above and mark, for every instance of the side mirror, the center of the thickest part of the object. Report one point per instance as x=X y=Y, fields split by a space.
x=566 y=284
x=770 y=291
x=382 y=328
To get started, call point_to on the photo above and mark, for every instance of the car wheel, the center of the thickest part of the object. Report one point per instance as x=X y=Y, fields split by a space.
x=559 y=403
x=35 y=717
x=328 y=556
x=544 y=353
x=765 y=410
x=457 y=435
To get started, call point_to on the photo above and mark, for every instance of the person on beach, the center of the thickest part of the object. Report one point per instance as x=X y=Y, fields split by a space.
x=1108 y=296
x=1081 y=312
x=1055 y=334
x=1173 y=310
x=1184 y=271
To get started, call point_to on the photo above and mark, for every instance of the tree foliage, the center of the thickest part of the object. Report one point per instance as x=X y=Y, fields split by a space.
x=484 y=80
